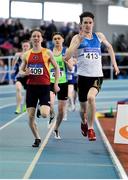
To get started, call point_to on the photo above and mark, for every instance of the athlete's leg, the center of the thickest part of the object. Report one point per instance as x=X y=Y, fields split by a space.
x=18 y=96
x=71 y=96
x=52 y=101
x=83 y=112
x=31 y=103
x=60 y=115
x=75 y=95
x=91 y=106
x=32 y=122
x=45 y=111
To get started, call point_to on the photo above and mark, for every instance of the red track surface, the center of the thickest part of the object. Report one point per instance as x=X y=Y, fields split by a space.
x=121 y=150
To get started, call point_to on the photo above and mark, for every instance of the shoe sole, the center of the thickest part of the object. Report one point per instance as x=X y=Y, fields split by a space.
x=17 y=112
x=82 y=132
x=58 y=138
x=94 y=139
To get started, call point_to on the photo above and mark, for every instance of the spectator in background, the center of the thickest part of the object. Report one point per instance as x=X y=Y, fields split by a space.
x=65 y=29
x=122 y=46
x=51 y=28
x=122 y=43
x=4 y=74
x=16 y=43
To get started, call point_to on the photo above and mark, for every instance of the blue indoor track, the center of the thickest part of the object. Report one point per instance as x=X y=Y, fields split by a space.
x=72 y=157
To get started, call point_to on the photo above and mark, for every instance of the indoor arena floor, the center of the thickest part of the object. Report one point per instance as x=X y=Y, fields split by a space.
x=72 y=157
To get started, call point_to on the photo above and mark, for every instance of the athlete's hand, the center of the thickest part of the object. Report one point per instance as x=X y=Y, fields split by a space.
x=27 y=72
x=65 y=59
x=117 y=71
x=81 y=35
x=56 y=87
x=24 y=73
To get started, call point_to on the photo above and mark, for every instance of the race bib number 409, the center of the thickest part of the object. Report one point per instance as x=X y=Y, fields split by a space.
x=36 y=71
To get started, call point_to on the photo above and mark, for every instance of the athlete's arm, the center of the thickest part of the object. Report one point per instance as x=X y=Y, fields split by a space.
x=16 y=57
x=110 y=51
x=75 y=42
x=57 y=70
x=69 y=63
x=23 y=70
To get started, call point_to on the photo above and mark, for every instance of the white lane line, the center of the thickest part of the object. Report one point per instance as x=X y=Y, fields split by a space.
x=58 y=163
x=7 y=98
x=37 y=156
x=75 y=164
x=7 y=92
x=115 y=160
x=12 y=121
x=7 y=105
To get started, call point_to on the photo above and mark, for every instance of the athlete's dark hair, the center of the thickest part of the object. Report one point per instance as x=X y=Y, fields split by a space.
x=86 y=14
x=57 y=33
x=38 y=30
x=25 y=41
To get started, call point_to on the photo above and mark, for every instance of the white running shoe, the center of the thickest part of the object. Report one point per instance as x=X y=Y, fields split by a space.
x=57 y=135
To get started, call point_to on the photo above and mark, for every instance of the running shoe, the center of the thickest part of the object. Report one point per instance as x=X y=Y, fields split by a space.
x=84 y=129
x=91 y=135
x=36 y=143
x=17 y=111
x=57 y=135
x=38 y=114
x=24 y=108
x=52 y=116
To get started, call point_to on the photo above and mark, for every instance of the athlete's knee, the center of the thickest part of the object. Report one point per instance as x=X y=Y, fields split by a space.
x=44 y=111
x=91 y=98
x=44 y=114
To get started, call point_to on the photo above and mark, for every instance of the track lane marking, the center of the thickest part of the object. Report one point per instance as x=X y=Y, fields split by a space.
x=12 y=121
x=38 y=154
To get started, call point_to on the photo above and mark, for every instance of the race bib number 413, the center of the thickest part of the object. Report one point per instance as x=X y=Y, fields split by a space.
x=91 y=55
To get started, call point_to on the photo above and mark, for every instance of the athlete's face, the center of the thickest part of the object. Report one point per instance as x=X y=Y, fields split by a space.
x=87 y=25
x=25 y=46
x=58 y=40
x=36 y=38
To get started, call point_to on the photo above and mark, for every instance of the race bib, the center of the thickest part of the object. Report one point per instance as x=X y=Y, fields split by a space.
x=52 y=74
x=91 y=55
x=36 y=69
x=69 y=76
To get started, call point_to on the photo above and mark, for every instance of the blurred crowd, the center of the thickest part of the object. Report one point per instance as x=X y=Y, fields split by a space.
x=13 y=32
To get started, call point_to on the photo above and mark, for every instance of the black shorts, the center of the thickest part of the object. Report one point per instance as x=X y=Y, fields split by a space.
x=85 y=83
x=37 y=93
x=23 y=81
x=63 y=93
